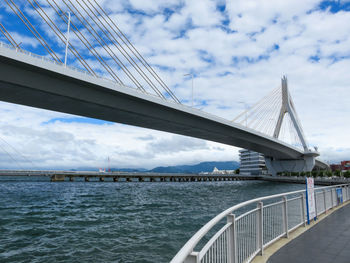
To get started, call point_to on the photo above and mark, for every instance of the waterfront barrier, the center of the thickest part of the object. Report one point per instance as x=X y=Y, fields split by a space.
x=253 y=225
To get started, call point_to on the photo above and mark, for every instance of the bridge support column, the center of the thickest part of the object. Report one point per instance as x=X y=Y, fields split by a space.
x=102 y=179
x=57 y=178
x=275 y=166
x=87 y=179
x=115 y=179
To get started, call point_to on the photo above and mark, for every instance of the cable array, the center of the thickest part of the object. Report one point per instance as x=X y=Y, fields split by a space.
x=263 y=117
x=98 y=34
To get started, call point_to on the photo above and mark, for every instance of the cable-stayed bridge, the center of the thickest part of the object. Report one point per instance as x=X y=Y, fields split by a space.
x=48 y=83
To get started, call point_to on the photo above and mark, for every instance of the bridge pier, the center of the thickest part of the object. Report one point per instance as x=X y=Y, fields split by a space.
x=141 y=179
x=306 y=164
x=87 y=179
x=102 y=179
x=57 y=178
x=71 y=179
x=115 y=179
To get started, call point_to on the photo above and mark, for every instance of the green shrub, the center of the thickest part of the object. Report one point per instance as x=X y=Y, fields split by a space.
x=347 y=174
x=337 y=173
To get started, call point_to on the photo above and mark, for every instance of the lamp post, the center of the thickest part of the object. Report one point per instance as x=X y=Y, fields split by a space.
x=67 y=40
x=190 y=74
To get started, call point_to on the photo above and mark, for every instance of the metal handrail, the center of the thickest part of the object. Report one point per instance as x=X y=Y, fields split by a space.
x=188 y=248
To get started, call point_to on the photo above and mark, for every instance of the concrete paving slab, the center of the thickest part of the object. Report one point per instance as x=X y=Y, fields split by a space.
x=328 y=241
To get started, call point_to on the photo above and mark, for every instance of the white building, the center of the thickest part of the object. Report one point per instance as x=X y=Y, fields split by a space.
x=252 y=163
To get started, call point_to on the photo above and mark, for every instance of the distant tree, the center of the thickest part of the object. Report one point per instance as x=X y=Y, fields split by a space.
x=347 y=174
x=329 y=173
x=337 y=173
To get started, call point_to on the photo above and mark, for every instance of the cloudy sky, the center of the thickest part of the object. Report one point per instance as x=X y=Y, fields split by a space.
x=236 y=50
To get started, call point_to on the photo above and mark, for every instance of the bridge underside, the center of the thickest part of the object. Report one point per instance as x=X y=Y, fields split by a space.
x=48 y=86
x=275 y=166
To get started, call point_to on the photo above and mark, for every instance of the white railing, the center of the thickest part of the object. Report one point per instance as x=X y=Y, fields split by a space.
x=243 y=237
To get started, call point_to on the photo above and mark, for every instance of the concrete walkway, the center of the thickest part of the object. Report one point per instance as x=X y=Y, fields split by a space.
x=328 y=241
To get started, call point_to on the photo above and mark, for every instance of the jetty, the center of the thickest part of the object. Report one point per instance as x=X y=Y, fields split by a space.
x=61 y=176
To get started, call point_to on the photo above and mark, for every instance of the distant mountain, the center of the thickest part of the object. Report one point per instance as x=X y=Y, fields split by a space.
x=197 y=168
x=129 y=170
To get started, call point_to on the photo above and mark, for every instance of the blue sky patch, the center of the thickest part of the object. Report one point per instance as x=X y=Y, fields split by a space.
x=78 y=120
x=335 y=6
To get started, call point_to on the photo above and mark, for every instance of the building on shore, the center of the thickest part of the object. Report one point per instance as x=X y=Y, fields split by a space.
x=343 y=166
x=216 y=171
x=252 y=163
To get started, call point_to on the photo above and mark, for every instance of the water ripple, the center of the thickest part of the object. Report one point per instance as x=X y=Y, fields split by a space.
x=111 y=222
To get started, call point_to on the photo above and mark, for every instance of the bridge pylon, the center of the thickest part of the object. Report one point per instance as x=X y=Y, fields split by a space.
x=307 y=162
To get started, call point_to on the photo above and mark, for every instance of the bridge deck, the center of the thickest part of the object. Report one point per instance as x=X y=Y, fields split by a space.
x=327 y=241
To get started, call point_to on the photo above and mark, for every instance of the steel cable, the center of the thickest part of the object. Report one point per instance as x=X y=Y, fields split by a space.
x=104 y=45
x=86 y=43
x=33 y=31
x=60 y=35
x=121 y=49
x=8 y=35
x=137 y=54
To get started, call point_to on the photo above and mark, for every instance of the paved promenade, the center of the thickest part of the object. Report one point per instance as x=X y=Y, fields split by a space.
x=328 y=241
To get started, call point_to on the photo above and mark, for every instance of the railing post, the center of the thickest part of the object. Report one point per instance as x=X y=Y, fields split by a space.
x=232 y=240
x=325 y=203
x=285 y=215
x=259 y=227
x=192 y=258
x=332 y=198
x=303 y=208
x=315 y=194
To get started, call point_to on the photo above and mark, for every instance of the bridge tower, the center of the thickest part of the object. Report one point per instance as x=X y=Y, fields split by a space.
x=308 y=162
